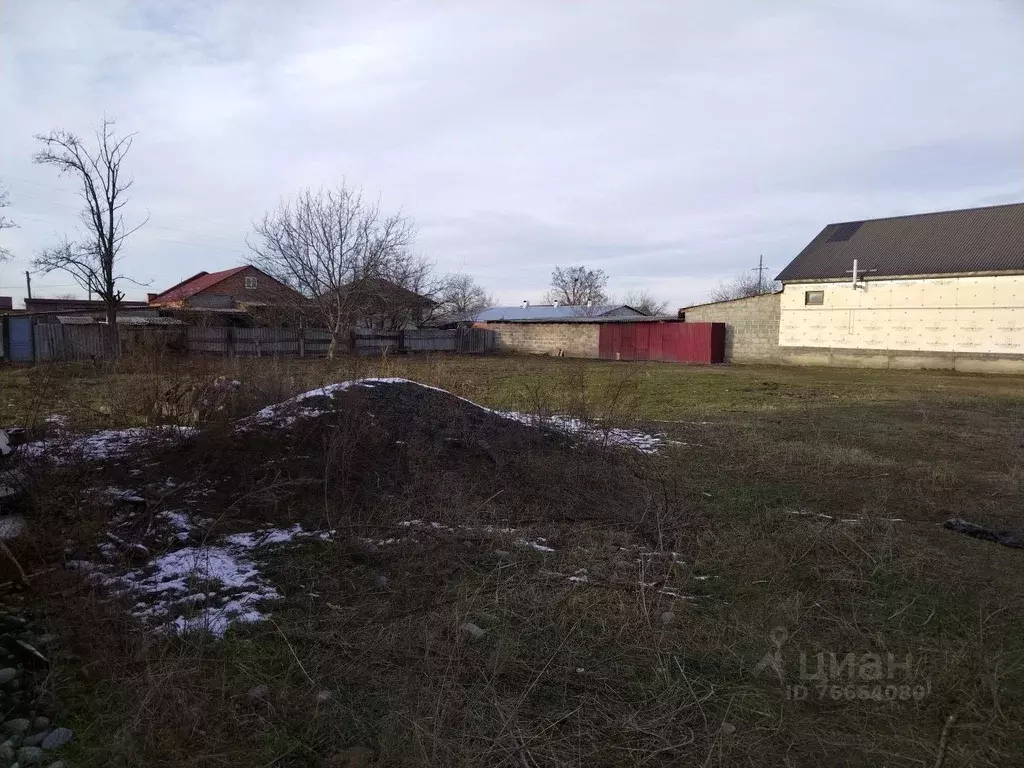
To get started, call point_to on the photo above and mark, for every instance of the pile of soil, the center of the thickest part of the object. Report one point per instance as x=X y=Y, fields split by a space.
x=368 y=448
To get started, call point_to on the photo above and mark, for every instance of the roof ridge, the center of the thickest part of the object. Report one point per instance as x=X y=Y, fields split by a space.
x=924 y=213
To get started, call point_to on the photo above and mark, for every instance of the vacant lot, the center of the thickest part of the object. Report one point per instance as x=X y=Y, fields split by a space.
x=772 y=586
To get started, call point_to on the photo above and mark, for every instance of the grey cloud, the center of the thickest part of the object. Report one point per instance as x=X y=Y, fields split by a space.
x=667 y=143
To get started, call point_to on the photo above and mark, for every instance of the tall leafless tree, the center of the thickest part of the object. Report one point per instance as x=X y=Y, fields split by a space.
x=577 y=286
x=5 y=223
x=744 y=286
x=645 y=301
x=460 y=294
x=336 y=249
x=92 y=261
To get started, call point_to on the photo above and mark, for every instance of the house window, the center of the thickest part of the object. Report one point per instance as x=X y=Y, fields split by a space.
x=250 y=282
x=814 y=298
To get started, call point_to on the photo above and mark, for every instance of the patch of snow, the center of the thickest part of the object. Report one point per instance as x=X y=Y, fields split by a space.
x=263 y=538
x=285 y=413
x=106 y=444
x=175 y=587
x=122 y=494
x=606 y=436
x=538 y=544
x=11 y=526
x=179 y=523
x=852 y=520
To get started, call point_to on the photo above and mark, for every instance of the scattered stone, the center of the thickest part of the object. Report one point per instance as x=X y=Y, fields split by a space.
x=473 y=630
x=35 y=739
x=29 y=756
x=323 y=697
x=18 y=726
x=29 y=652
x=380 y=580
x=57 y=738
x=40 y=724
x=501 y=552
x=728 y=728
x=6 y=753
x=7 y=675
x=667 y=617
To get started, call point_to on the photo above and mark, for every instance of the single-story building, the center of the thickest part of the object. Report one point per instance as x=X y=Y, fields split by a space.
x=242 y=296
x=932 y=290
x=625 y=337
x=556 y=311
x=751 y=326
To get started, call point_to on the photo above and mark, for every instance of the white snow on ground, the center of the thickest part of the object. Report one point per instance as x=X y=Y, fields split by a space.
x=106 y=444
x=285 y=413
x=607 y=436
x=854 y=520
x=121 y=494
x=206 y=587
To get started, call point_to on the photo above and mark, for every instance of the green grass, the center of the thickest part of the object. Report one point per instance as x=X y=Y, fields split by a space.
x=604 y=672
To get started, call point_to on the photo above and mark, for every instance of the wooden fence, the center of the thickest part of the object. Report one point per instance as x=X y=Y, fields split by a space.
x=90 y=342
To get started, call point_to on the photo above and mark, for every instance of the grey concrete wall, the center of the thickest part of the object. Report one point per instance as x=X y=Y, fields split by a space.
x=559 y=339
x=751 y=326
x=872 y=358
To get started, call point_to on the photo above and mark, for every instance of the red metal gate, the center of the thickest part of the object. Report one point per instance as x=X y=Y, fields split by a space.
x=669 y=342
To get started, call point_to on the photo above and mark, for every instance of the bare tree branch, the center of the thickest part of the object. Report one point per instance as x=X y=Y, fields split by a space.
x=92 y=261
x=645 y=301
x=577 y=286
x=5 y=223
x=744 y=286
x=460 y=294
x=338 y=250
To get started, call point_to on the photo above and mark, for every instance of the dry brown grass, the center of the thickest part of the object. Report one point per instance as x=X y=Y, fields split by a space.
x=601 y=672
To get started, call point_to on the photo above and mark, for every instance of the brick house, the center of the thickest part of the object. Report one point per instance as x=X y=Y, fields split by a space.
x=239 y=288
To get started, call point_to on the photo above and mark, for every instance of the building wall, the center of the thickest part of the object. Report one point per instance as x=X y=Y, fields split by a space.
x=267 y=290
x=559 y=339
x=961 y=323
x=751 y=326
x=973 y=315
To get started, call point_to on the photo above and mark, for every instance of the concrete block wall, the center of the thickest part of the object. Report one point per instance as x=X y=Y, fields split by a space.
x=751 y=326
x=558 y=339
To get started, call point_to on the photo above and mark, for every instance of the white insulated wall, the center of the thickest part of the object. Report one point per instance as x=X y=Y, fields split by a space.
x=948 y=314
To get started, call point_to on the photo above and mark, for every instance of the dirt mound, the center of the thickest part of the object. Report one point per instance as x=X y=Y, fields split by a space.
x=161 y=511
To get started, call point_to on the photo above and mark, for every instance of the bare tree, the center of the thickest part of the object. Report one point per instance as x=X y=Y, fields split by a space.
x=5 y=223
x=744 y=286
x=460 y=294
x=645 y=301
x=92 y=262
x=335 y=248
x=577 y=286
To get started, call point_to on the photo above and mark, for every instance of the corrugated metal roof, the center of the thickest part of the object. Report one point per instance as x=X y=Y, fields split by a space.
x=121 y=320
x=542 y=312
x=603 y=319
x=944 y=243
x=76 y=319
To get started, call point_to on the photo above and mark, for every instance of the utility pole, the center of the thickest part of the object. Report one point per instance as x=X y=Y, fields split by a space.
x=28 y=283
x=760 y=269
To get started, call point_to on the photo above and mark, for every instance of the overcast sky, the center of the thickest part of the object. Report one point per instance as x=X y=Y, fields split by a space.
x=668 y=143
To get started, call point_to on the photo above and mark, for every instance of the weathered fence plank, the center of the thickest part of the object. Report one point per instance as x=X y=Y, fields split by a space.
x=53 y=341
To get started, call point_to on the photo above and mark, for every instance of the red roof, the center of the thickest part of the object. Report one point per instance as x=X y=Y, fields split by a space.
x=195 y=284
